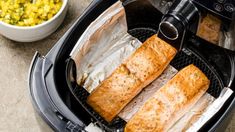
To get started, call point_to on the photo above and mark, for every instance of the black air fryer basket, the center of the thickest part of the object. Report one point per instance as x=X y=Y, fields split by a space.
x=62 y=103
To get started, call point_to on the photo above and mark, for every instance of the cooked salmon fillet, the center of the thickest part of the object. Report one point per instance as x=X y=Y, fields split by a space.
x=209 y=28
x=137 y=71
x=170 y=102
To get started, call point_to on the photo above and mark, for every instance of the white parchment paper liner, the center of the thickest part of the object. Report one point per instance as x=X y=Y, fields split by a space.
x=104 y=46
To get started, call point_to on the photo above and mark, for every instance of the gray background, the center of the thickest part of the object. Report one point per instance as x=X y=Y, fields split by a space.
x=16 y=111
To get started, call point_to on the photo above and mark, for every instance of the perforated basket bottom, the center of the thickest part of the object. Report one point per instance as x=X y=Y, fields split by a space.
x=182 y=59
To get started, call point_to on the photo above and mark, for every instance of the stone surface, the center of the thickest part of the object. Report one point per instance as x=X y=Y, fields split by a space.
x=16 y=111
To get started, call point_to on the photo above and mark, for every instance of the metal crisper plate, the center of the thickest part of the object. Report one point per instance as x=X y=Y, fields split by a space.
x=182 y=59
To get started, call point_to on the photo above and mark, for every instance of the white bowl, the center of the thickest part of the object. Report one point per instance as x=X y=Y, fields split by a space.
x=37 y=32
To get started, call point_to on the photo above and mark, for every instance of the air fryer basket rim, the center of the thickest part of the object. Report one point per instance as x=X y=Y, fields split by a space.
x=141 y=31
x=179 y=62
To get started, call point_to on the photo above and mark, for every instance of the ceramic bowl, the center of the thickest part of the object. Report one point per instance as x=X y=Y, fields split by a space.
x=37 y=32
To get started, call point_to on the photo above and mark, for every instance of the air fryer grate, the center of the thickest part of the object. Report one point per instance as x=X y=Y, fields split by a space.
x=182 y=59
x=142 y=33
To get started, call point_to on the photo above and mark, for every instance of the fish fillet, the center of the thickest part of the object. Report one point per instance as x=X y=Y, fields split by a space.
x=136 y=72
x=170 y=102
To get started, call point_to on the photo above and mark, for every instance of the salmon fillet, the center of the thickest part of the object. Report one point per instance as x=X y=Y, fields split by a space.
x=209 y=28
x=170 y=102
x=136 y=72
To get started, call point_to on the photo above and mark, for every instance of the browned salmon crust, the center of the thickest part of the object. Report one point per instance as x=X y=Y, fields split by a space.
x=170 y=102
x=137 y=71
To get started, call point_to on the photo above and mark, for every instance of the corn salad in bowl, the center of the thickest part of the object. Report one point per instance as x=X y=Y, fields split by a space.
x=26 y=13
x=36 y=19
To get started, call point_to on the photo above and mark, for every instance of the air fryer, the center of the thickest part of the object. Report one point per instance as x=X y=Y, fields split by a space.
x=61 y=102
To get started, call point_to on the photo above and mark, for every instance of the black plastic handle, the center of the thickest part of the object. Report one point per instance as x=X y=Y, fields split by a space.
x=177 y=19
